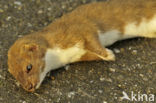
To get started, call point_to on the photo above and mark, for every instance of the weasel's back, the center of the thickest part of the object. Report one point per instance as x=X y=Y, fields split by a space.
x=117 y=13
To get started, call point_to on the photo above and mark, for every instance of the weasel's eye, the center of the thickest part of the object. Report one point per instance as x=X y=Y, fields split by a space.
x=29 y=67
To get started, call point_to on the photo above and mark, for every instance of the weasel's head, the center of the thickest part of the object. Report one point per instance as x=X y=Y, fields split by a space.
x=26 y=63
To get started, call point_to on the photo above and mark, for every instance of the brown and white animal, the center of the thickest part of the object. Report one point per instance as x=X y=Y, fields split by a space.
x=80 y=36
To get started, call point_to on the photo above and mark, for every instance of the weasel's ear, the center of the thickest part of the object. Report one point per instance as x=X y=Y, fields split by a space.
x=31 y=47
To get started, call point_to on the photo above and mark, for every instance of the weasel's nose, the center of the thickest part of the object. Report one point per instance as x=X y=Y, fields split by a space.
x=30 y=87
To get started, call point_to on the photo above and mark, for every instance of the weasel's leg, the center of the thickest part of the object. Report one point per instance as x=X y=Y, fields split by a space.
x=96 y=50
x=90 y=56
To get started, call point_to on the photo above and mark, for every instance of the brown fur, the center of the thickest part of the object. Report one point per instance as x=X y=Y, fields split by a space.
x=81 y=25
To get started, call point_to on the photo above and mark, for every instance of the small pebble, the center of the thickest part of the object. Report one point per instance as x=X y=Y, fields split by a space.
x=138 y=65
x=40 y=12
x=100 y=91
x=112 y=69
x=50 y=99
x=1 y=98
x=130 y=48
x=19 y=36
x=29 y=24
x=108 y=80
x=2 y=77
x=70 y=94
x=104 y=102
x=116 y=50
x=119 y=85
x=105 y=79
x=67 y=67
x=18 y=84
x=47 y=92
x=145 y=78
x=19 y=8
x=141 y=75
x=102 y=79
x=134 y=52
x=17 y=3
x=135 y=85
x=91 y=81
x=49 y=9
x=8 y=18
x=120 y=77
x=149 y=90
x=58 y=100
x=63 y=6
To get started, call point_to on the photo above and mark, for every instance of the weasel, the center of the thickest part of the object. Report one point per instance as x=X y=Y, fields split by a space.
x=81 y=35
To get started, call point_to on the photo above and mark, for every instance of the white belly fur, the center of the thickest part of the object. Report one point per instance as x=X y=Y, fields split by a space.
x=110 y=37
x=146 y=28
x=57 y=57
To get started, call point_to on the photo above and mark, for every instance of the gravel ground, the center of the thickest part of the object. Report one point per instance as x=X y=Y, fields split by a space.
x=87 y=82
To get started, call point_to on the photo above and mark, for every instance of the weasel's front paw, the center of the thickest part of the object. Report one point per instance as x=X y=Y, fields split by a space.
x=105 y=54
x=110 y=55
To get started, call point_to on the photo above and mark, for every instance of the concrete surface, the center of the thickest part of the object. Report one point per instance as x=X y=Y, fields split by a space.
x=88 y=82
